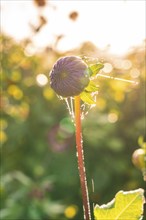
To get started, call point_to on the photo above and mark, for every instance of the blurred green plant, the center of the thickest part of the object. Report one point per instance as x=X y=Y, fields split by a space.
x=31 y=115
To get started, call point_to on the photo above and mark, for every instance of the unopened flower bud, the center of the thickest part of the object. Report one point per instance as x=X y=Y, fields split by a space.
x=138 y=158
x=69 y=76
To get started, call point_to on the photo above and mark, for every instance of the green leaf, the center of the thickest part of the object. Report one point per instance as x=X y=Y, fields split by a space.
x=87 y=98
x=140 y=141
x=95 y=68
x=125 y=206
x=92 y=87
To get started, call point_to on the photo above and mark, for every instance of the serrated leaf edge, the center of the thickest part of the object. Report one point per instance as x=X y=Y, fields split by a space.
x=126 y=193
x=140 y=191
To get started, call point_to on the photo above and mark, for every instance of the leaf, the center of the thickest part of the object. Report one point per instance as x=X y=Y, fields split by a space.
x=140 y=141
x=125 y=206
x=87 y=98
x=92 y=87
x=95 y=68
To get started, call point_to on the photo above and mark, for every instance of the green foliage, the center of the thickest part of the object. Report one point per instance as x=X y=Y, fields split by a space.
x=92 y=87
x=39 y=174
x=87 y=98
x=88 y=95
x=126 y=205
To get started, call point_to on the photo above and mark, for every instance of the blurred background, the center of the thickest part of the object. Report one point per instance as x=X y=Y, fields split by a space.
x=39 y=174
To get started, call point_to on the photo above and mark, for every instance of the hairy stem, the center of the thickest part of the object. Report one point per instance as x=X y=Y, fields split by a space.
x=80 y=156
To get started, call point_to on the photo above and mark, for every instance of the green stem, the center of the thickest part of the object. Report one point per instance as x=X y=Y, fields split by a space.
x=80 y=156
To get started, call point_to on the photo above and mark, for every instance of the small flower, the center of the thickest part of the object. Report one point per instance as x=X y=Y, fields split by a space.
x=69 y=76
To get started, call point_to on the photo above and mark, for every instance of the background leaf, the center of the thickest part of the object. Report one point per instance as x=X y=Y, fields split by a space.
x=125 y=206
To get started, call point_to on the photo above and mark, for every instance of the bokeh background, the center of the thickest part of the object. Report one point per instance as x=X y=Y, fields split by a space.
x=39 y=174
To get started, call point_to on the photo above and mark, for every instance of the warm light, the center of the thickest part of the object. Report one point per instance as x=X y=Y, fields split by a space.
x=70 y=211
x=112 y=117
x=126 y=64
x=48 y=93
x=118 y=63
x=15 y=92
x=101 y=103
x=18 y=111
x=134 y=73
x=30 y=50
x=117 y=29
x=122 y=64
x=12 y=111
x=107 y=68
x=119 y=96
x=41 y=79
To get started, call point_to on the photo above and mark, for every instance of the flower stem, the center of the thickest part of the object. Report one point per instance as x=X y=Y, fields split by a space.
x=80 y=156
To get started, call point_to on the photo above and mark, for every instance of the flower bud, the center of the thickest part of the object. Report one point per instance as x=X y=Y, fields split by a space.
x=138 y=158
x=69 y=76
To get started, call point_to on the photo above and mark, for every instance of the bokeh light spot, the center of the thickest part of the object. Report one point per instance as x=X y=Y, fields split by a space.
x=30 y=50
x=41 y=79
x=12 y=111
x=67 y=126
x=112 y=117
x=107 y=67
x=119 y=96
x=15 y=92
x=48 y=93
x=71 y=211
x=126 y=64
x=101 y=103
x=135 y=73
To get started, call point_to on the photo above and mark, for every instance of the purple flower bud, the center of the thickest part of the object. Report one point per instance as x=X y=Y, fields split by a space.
x=69 y=76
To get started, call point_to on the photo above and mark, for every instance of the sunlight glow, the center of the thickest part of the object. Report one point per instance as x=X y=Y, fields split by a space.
x=134 y=73
x=30 y=50
x=112 y=117
x=15 y=92
x=71 y=211
x=126 y=64
x=107 y=68
x=118 y=79
x=116 y=25
x=41 y=79
x=48 y=93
